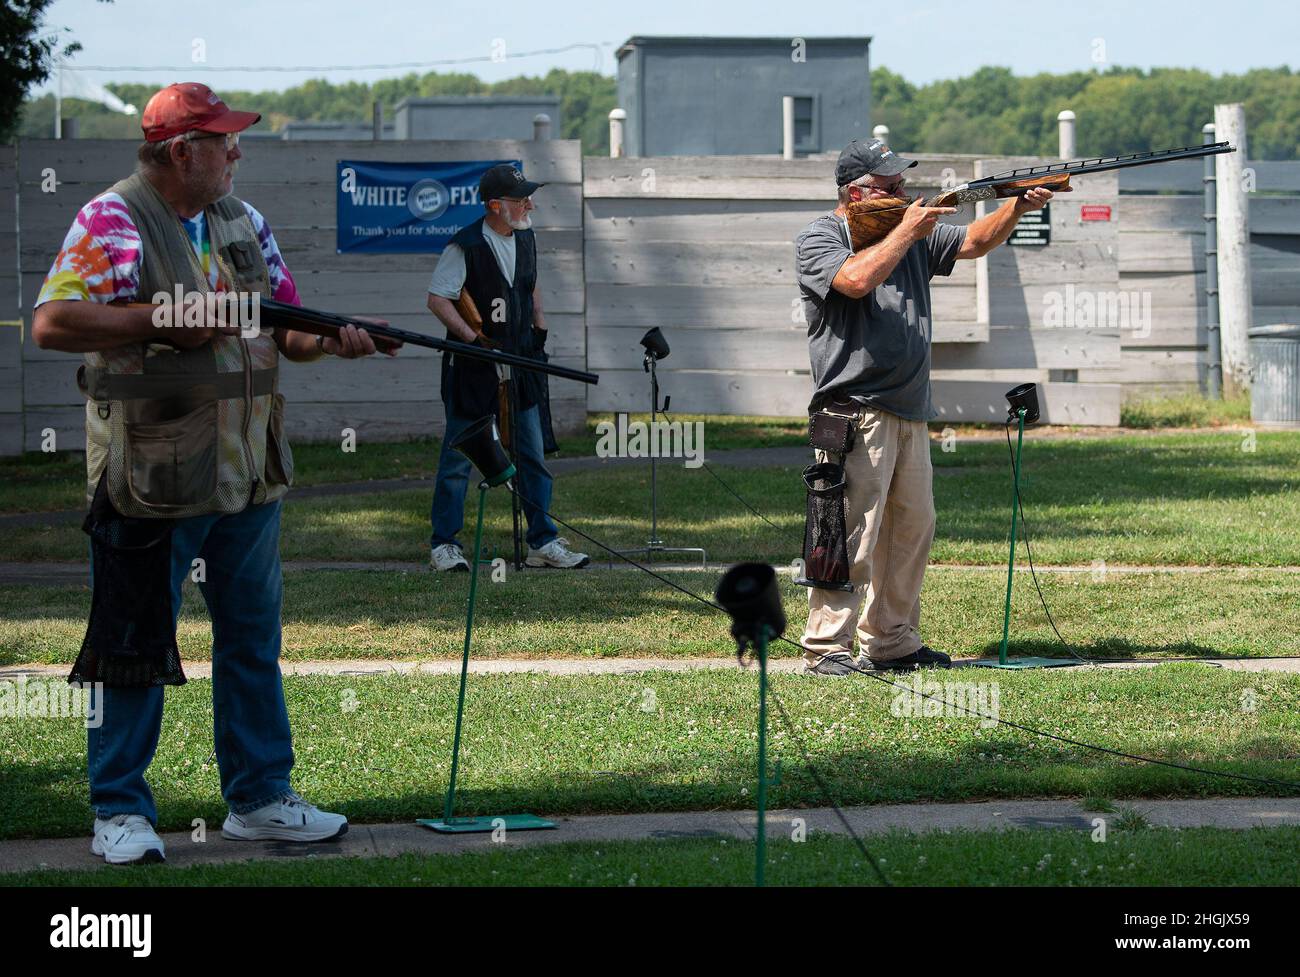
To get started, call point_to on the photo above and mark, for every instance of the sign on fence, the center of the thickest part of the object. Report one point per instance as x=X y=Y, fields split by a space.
x=1033 y=228
x=388 y=208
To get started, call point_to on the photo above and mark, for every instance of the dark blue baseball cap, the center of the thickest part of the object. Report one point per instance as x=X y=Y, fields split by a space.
x=858 y=160
x=503 y=180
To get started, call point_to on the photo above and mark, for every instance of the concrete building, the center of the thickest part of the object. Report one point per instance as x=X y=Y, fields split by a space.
x=474 y=116
x=721 y=96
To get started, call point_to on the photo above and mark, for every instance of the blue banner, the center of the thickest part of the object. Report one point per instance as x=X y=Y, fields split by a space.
x=389 y=208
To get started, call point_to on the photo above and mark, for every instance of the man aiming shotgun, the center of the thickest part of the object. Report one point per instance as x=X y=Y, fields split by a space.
x=869 y=332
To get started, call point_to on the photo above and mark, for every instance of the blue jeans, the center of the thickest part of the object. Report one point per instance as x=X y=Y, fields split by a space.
x=533 y=482
x=250 y=725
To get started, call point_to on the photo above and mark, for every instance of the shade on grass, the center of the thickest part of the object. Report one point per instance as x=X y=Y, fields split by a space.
x=1200 y=499
x=378 y=748
x=598 y=614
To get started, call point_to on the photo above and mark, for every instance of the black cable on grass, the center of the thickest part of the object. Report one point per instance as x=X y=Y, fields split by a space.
x=1033 y=574
x=760 y=515
x=784 y=715
x=1030 y=553
x=823 y=787
x=913 y=691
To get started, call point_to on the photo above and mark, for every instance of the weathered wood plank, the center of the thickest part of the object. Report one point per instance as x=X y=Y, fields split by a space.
x=11 y=435
x=691 y=306
x=1159 y=251
x=1142 y=366
x=47 y=217
x=67 y=423
x=313 y=250
x=1185 y=175
x=1044 y=349
x=973 y=401
x=86 y=161
x=1186 y=214
x=402 y=293
x=709 y=263
x=742 y=177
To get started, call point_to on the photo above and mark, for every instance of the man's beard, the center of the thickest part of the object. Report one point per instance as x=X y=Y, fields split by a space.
x=212 y=190
x=523 y=224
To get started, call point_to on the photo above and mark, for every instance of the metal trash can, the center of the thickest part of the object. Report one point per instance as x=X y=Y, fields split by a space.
x=1275 y=375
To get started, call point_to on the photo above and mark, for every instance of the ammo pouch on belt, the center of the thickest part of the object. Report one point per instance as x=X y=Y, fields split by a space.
x=832 y=431
x=130 y=641
x=825 y=540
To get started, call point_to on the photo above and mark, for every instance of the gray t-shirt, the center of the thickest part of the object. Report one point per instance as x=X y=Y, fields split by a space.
x=875 y=349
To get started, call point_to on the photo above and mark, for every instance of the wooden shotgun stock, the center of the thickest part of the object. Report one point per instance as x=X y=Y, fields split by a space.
x=468 y=311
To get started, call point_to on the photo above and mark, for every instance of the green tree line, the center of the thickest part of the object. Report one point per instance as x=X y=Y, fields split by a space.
x=992 y=111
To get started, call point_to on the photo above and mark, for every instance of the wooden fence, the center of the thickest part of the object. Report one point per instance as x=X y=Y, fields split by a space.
x=702 y=247
x=11 y=328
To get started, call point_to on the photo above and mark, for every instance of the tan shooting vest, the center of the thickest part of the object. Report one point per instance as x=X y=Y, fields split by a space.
x=197 y=431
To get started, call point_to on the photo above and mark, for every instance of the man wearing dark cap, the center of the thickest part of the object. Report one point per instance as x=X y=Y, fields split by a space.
x=869 y=336
x=185 y=447
x=495 y=260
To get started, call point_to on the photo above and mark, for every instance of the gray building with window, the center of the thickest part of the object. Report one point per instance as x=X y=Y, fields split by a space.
x=721 y=96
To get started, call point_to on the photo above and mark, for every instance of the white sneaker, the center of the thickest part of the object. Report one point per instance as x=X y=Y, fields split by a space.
x=556 y=553
x=448 y=557
x=288 y=819
x=127 y=838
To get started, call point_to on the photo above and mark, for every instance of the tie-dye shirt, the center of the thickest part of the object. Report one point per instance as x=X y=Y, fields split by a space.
x=100 y=259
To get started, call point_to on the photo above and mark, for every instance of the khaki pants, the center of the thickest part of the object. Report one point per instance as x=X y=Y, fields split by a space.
x=889 y=519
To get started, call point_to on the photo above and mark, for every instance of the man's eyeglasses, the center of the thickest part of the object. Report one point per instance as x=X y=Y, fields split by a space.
x=892 y=187
x=232 y=138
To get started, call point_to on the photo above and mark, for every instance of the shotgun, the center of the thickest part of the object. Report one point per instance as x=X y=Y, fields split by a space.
x=280 y=315
x=872 y=220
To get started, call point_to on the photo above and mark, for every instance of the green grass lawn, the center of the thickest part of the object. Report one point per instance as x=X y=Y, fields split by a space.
x=1169 y=498
x=378 y=748
x=594 y=613
x=1151 y=856
x=39 y=482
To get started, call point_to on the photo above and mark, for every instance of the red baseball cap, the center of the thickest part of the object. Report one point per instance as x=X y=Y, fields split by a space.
x=190 y=105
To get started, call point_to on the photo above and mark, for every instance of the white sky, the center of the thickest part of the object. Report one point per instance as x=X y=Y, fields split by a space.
x=923 y=41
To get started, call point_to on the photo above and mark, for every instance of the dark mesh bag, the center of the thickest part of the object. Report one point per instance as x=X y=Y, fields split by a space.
x=131 y=638
x=825 y=541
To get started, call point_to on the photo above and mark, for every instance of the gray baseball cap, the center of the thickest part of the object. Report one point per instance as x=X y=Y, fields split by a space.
x=858 y=160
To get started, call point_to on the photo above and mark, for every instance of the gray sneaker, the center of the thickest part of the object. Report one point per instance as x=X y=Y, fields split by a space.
x=837 y=665
x=557 y=554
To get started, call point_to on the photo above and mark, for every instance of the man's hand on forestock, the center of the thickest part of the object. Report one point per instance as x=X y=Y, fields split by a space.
x=353 y=342
x=200 y=307
x=919 y=220
x=1034 y=199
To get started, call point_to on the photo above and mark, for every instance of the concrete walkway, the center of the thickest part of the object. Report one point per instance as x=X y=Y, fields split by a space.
x=395 y=839
x=605 y=666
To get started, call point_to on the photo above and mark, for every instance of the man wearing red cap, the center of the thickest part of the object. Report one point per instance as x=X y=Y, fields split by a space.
x=185 y=447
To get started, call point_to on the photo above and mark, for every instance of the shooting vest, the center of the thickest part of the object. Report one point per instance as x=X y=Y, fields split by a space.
x=187 y=432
